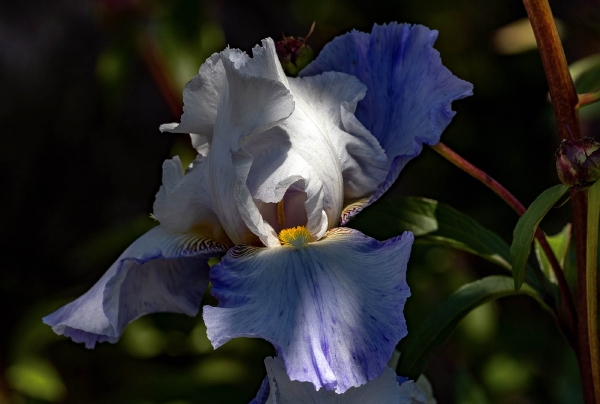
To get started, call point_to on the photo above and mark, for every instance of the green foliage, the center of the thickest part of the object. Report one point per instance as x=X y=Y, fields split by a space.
x=559 y=243
x=435 y=223
x=420 y=345
x=526 y=227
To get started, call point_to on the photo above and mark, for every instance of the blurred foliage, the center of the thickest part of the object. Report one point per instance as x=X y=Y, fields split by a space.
x=81 y=102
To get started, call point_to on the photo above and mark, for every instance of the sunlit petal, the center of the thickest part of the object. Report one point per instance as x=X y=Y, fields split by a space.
x=409 y=96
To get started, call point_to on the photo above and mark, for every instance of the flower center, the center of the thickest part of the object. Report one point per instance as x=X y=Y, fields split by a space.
x=297 y=237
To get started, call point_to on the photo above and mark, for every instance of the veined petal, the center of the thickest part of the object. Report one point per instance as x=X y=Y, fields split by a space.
x=249 y=104
x=333 y=309
x=409 y=96
x=381 y=390
x=159 y=272
x=330 y=99
x=183 y=204
x=201 y=97
x=310 y=157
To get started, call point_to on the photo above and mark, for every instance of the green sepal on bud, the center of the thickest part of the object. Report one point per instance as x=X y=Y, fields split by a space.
x=578 y=162
x=294 y=54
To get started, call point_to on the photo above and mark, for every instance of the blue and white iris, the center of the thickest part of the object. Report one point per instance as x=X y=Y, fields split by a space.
x=282 y=163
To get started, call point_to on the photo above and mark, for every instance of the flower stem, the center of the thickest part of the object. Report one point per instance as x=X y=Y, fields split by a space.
x=485 y=179
x=562 y=90
x=592 y=283
x=565 y=102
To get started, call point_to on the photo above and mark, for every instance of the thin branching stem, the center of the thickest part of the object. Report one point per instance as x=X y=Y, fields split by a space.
x=518 y=207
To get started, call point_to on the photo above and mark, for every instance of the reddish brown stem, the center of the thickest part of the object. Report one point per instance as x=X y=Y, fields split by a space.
x=562 y=90
x=518 y=207
x=565 y=103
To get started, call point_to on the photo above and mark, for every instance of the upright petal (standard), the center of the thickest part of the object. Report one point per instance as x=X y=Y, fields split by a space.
x=409 y=96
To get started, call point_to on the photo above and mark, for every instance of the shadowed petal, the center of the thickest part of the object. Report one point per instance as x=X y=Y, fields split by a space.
x=334 y=309
x=183 y=203
x=382 y=390
x=409 y=91
x=159 y=272
x=385 y=389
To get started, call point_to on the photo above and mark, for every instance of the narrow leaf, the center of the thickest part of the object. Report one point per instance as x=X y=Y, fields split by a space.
x=435 y=223
x=420 y=345
x=432 y=222
x=526 y=227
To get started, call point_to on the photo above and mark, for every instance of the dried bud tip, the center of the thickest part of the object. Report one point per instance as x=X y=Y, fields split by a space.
x=294 y=54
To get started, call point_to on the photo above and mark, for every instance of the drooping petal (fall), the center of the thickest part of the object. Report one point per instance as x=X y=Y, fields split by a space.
x=384 y=389
x=333 y=309
x=409 y=96
x=159 y=272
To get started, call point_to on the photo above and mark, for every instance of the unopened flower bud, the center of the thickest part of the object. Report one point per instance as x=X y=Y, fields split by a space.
x=294 y=54
x=578 y=162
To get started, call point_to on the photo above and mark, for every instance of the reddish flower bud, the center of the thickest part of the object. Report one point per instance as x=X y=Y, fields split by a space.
x=578 y=162
x=294 y=54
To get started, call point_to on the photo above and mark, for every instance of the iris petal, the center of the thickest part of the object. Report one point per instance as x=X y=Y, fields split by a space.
x=183 y=203
x=409 y=96
x=249 y=104
x=201 y=97
x=159 y=272
x=334 y=309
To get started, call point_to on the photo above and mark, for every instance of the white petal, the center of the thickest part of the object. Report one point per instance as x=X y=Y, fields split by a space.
x=249 y=104
x=183 y=204
x=382 y=390
x=201 y=97
x=330 y=99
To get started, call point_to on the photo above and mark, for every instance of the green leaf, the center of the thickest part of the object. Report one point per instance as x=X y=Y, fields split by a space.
x=559 y=243
x=420 y=345
x=435 y=223
x=526 y=227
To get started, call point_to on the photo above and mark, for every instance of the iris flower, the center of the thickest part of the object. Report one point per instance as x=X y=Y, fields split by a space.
x=283 y=163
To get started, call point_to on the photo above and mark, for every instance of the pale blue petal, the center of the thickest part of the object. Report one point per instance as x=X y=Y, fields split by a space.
x=159 y=272
x=334 y=309
x=409 y=91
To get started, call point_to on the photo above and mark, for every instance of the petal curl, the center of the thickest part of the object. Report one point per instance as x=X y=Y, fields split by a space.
x=334 y=309
x=183 y=203
x=382 y=390
x=313 y=150
x=409 y=96
x=159 y=272
x=201 y=97
x=249 y=104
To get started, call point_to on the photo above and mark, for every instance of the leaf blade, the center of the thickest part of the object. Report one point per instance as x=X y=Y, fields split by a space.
x=419 y=346
x=526 y=227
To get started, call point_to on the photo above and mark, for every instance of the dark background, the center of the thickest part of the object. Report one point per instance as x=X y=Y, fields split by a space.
x=85 y=85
